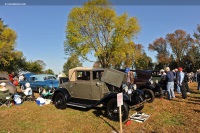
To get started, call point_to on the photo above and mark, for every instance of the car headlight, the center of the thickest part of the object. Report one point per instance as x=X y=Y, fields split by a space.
x=156 y=81
x=130 y=91
x=134 y=86
x=125 y=87
x=151 y=82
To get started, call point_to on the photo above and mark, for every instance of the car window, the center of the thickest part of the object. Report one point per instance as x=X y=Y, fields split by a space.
x=3 y=78
x=97 y=75
x=32 y=79
x=51 y=77
x=83 y=75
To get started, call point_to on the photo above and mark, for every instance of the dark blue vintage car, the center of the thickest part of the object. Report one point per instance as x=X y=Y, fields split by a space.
x=40 y=81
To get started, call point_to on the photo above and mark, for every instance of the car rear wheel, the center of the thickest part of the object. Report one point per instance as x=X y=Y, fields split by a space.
x=112 y=110
x=60 y=101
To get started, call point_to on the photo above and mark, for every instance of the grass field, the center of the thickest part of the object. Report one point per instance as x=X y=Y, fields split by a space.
x=175 y=116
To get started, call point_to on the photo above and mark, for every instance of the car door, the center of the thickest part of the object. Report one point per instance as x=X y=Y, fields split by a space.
x=96 y=85
x=32 y=83
x=81 y=88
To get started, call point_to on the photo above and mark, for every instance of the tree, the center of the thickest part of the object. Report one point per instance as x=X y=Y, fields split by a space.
x=49 y=71
x=163 y=54
x=180 y=43
x=195 y=50
x=11 y=60
x=7 y=44
x=95 y=28
x=42 y=64
x=72 y=62
x=34 y=66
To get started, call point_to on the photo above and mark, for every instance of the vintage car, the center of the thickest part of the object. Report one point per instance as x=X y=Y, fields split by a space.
x=5 y=78
x=98 y=87
x=40 y=81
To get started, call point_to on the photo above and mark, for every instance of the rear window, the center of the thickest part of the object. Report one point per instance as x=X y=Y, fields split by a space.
x=3 y=78
x=83 y=75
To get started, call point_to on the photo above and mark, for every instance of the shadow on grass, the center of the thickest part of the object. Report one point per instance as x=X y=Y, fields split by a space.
x=99 y=113
x=197 y=111
x=195 y=92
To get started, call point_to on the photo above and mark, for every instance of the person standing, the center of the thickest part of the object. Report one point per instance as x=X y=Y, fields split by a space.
x=11 y=76
x=182 y=83
x=198 y=79
x=170 y=83
x=177 y=82
x=186 y=80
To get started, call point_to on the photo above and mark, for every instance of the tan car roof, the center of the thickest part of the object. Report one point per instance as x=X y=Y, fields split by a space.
x=72 y=76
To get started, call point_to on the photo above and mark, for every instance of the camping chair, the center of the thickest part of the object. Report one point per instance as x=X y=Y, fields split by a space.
x=29 y=97
x=46 y=92
x=5 y=98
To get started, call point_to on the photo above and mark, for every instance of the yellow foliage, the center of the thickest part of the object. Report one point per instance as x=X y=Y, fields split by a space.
x=96 y=27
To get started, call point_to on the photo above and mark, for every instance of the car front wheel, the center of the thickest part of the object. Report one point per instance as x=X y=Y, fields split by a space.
x=112 y=110
x=149 y=95
x=60 y=101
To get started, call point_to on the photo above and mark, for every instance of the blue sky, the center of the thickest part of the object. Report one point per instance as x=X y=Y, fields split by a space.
x=41 y=29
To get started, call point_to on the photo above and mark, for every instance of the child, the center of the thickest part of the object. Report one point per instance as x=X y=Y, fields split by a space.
x=28 y=90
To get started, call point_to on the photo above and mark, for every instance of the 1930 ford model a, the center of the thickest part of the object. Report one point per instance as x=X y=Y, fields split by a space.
x=95 y=87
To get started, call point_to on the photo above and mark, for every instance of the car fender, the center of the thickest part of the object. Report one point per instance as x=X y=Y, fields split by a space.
x=62 y=90
x=146 y=86
x=138 y=92
x=111 y=96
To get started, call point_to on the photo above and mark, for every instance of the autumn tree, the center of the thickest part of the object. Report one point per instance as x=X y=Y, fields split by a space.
x=172 y=49
x=96 y=29
x=180 y=43
x=7 y=44
x=160 y=46
x=195 y=50
x=72 y=62
x=10 y=58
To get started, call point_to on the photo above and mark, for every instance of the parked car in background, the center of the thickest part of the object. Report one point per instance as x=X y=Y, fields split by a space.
x=5 y=78
x=147 y=80
x=98 y=87
x=40 y=81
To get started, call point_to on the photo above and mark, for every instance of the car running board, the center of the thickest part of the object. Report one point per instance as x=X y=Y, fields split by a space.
x=79 y=105
x=138 y=105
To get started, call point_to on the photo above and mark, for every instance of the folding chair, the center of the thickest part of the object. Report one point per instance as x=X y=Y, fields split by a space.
x=5 y=98
x=29 y=97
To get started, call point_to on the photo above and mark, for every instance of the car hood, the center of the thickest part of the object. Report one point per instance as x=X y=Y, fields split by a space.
x=113 y=77
x=53 y=82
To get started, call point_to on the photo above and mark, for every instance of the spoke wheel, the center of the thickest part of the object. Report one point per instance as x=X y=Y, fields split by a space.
x=113 y=111
x=60 y=101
